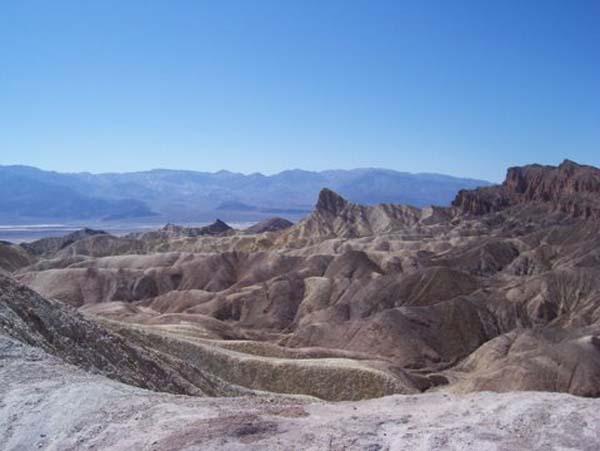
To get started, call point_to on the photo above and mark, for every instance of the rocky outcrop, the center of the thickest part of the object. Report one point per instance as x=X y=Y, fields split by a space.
x=544 y=360
x=173 y=231
x=102 y=245
x=14 y=257
x=570 y=188
x=57 y=329
x=274 y=224
x=49 y=246
x=335 y=217
x=330 y=202
x=216 y=228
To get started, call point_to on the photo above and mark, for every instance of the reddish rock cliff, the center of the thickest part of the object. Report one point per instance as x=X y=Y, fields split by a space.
x=568 y=188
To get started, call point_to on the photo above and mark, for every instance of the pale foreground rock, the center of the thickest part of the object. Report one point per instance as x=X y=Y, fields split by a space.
x=48 y=404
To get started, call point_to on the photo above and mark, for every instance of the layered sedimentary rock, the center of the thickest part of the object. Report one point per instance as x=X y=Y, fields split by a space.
x=499 y=292
x=570 y=188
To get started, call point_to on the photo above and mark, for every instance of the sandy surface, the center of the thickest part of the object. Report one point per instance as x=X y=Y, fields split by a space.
x=47 y=404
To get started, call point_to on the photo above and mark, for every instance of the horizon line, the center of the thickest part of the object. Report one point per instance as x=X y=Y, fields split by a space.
x=245 y=174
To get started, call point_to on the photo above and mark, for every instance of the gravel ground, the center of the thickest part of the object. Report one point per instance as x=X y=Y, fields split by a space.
x=49 y=405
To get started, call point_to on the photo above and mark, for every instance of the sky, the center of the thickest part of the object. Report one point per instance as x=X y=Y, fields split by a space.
x=465 y=88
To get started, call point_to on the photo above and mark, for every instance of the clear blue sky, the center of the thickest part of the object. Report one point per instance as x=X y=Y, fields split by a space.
x=458 y=87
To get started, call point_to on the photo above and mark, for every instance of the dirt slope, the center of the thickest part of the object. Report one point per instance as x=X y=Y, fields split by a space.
x=39 y=394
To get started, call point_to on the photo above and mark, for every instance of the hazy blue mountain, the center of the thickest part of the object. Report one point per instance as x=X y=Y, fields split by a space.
x=30 y=193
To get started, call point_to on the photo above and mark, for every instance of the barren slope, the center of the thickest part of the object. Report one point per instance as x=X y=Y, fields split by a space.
x=500 y=296
x=39 y=393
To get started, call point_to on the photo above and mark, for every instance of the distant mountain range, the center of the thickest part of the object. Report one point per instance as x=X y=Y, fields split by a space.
x=31 y=195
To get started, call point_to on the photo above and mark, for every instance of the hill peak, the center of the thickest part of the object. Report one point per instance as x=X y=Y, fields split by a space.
x=330 y=201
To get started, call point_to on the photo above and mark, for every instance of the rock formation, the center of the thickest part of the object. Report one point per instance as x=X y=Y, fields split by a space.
x=273 y=224
x=49 y=246
x=500 y=292
x=13 y=257
x=173 y=231
x=569 y=188
x=335 y=217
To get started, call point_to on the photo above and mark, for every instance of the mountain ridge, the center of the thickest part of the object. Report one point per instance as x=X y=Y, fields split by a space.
x=250 y=174
x=192 y=196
